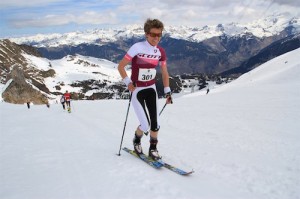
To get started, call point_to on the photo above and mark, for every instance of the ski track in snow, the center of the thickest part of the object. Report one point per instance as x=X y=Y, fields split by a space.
x=242 y=140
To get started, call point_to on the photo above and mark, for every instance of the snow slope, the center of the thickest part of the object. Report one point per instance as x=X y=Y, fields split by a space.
x=242 y=140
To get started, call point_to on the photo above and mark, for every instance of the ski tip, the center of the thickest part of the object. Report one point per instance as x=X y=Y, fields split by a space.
x=188 y=173
x=185 y=173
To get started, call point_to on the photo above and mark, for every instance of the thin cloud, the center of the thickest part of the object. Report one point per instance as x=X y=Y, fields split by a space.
x=288 y=2
x=32 y=3
x=59 y=20
x=67 y=14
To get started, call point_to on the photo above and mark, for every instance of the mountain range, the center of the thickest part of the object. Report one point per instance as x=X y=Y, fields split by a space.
x=209 y=49
x=85 y=62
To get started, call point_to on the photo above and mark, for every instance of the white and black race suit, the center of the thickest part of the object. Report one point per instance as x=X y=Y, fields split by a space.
x=144 y=60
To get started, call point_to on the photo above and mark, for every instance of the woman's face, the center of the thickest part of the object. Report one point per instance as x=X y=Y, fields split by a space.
x=154 y=36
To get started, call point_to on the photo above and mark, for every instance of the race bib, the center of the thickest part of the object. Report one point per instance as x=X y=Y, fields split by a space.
x=146 y=74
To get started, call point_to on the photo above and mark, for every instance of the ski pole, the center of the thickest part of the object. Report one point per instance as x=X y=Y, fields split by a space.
x=162 y=109
x=146 y=133
x=124 y=126
x=165 y=106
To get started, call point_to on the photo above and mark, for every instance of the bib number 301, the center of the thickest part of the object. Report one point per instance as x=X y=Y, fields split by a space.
x=146 y=74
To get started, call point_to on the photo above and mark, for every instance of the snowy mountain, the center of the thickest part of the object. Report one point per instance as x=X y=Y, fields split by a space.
x=84 y=77
x=276 y=49
x=269 y=26
x=241 y=139
x=211 y=49
x=83 y=67
x=29 y=77
x=25 y=76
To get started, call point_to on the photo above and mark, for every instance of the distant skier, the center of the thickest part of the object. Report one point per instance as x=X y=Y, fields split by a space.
x=67 y=96
x=207 y=91
x=144 y=57
x=62 y=101
x=28 y=105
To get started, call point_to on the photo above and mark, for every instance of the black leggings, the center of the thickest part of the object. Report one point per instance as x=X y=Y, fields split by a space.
x=143 y=100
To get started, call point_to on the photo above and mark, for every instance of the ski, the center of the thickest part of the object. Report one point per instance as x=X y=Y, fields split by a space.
x=145 y=158
x=175 y=169
x=158 y=164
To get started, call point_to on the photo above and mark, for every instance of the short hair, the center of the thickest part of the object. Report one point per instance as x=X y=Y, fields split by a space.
x=153 y=23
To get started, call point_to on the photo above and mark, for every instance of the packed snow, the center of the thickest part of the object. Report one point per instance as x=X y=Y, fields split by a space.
x=241 y=139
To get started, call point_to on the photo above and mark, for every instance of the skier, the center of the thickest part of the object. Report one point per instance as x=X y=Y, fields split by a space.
x=67 y=97
x=207 y=91
x=62 y=101
x=144 y=57
x=28 y=105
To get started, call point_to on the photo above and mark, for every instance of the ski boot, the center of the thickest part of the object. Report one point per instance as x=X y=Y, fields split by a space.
x=153 y=152
x=137 y=144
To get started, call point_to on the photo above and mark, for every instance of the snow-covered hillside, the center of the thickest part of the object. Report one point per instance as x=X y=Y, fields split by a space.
x=242 y=140
x=76 y=69
x=269 y=26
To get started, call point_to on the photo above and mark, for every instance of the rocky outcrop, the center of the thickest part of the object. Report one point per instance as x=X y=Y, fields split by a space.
x=15 y=69
x=20 y=91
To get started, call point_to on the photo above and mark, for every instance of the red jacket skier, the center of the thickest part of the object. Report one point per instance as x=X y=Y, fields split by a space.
x=67 y=97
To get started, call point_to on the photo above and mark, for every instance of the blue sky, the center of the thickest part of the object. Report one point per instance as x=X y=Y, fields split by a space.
x=24 y=18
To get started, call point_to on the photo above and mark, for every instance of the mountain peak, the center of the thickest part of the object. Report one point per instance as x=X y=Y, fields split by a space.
x=265 y=27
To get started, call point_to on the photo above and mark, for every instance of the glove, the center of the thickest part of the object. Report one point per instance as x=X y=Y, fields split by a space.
x=168 y=95
x=169 y=98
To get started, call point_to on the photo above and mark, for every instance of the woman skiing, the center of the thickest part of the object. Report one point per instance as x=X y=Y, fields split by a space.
x=145 y=56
